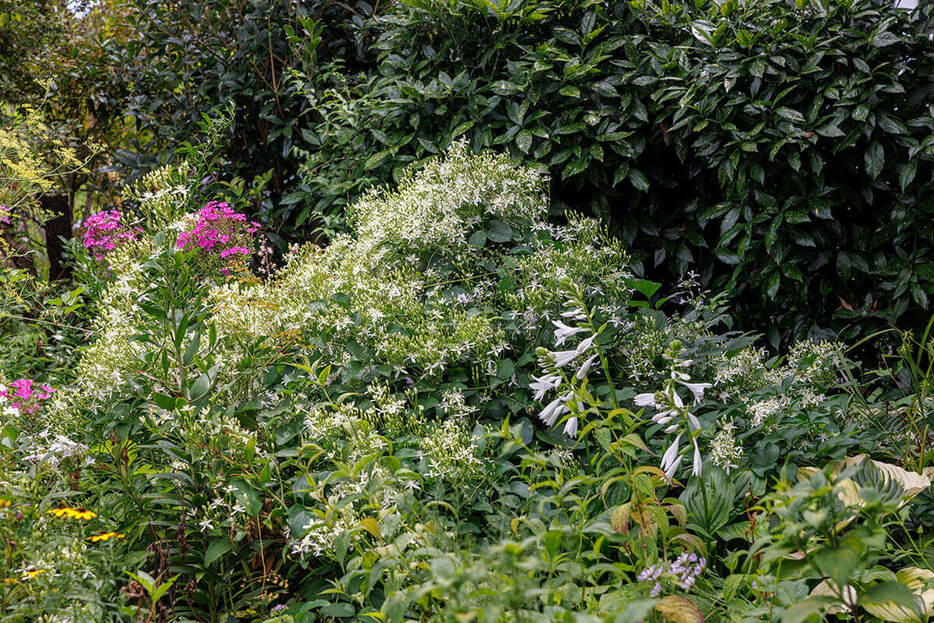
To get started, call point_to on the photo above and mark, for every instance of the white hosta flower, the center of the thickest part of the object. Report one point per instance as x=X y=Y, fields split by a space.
x=672 y=457
x=645 y=400
x=698 y=462
x=570 y=427
x=695 y=423
x=564 y=331
x=564 y=357
x=673 y=467
x=542 y=384
x=555 y=409
x=585 y=367
x=697 y=389
x=585 y=345
x=577 y=315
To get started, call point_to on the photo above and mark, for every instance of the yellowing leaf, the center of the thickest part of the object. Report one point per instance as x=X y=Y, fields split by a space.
x=370 y=525
x=678 y=610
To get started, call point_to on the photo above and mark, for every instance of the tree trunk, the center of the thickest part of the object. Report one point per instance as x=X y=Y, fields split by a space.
x=56 y=229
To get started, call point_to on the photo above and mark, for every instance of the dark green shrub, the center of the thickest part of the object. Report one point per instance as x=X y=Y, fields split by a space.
x=185 y=60
x=784 y=152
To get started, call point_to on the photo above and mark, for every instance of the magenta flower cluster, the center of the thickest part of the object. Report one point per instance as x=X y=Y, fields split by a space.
x=25 y=396
x=4 y=215
x=103 y=231
x=219 y=230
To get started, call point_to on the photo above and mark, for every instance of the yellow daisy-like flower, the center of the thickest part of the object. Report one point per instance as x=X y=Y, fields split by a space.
x=10 y=580
x=73 y=513
x=5 y=503
x=105 y=537
x=32 y=573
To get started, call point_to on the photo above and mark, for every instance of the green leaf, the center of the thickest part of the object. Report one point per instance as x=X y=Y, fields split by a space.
x=164 y=402
x=837 y=564
x=506 y=369
x=192 y=349
x=377 y=159
x=477 y=239
x=790 y=114
x=216 y=549
x=201 y=387
x=524 y=141
x=498 y=231
x=709 y=507
x=803 y=609
x=907 y=174
x=875 y=158
x=639 y=180
x=247 y=496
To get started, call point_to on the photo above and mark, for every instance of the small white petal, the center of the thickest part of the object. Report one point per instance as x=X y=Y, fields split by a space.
x=564 y=331
x=541 y=384
x=698 y=390
x=695 y=423
x=585 y=345
x=570 y=427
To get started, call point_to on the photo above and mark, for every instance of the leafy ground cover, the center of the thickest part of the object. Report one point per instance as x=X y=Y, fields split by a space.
x=456 y=411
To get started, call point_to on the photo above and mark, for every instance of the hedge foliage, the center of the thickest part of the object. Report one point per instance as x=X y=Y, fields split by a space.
x=783 y=151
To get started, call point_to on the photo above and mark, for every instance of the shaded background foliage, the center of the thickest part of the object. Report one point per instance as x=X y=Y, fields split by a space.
x=782 y=150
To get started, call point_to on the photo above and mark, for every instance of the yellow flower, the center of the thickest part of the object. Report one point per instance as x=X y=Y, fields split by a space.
x=4 y=503
x=32 y=573
x=10 y=581
x=73 y=513
x=105 y=536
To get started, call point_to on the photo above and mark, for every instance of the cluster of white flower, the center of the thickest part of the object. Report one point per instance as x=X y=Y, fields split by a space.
x=763 y=410
x=52 y=450
x=454 y=405
x=319 y=536
x=768 y=389
x=724 y=452
x=441 y=204
x=451 y=453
